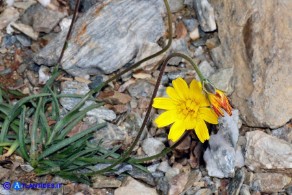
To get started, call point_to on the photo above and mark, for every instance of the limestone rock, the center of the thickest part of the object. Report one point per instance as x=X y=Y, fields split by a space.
x=205 y=13
x=132 y=186
x=267 y=152
x=152 y=146
x=253 y=36
x=10 y=14
x=220 y=156
x=270 y=182
x=106 y=37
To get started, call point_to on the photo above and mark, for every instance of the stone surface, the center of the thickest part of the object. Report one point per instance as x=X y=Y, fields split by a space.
x=132 y=186
x=152 y=146
x=267 y=152
x=26 y=29
x=222 y=79
x=146 y=50
x=72 y=87
x=95 y=46
x=204 y=191
x=270 y=182
x=100 y=181
x=177 y=184
x=205 y=14
x=10 y=14
x=220 y=156
x=111 y=135
x=235 y=184
x=284 y=133
x=41 y=19
x=206 y=69
x=176 y=5
x=254 y=41
x=102 y=113
x=141 y=89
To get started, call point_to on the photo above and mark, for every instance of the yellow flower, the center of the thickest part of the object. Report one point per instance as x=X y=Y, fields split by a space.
x=217 y=98
x=187 y=108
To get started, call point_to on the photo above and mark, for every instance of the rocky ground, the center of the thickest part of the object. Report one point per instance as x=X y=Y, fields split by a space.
x=242 y=47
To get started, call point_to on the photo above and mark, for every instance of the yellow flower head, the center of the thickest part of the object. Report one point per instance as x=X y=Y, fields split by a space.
x=187 y=108
x=218 y=99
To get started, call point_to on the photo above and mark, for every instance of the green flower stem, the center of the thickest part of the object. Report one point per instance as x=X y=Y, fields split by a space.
x=190 y=60
x=126 y=154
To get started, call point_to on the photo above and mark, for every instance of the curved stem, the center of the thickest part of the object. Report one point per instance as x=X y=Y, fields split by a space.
x=126 y=154
x=190 y=60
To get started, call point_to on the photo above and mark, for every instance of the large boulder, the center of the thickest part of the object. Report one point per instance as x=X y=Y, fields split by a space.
x=108 y=36
x=256 y=41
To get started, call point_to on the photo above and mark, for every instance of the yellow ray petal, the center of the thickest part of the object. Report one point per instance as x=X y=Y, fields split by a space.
x=207 y=114
x=195 y=88
x=202 y=130
x=164 y=103
x=176 y=131
x=181 y=88
x=172 y=94
x=166 y=118
x=189 y=123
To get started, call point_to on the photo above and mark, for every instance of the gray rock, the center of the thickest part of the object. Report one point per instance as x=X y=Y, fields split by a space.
x=152 y=146
x=260 y=61
x=163 y=185
x=4 y=173
x=179 y=73
x=235 y=184
x=24 y=5
x=147 y=49
x=220 y=156
x=266 y=152
x=244 y=190
x=111 y=135
x=164 y=166
x=191 y=23
x=284 y=133
x=95 y=46
x=171 y=173
x=176 y=5
x=41 y=19
x=222 y=79
x=206 y=69
x=24 y=40
x=178 y=45
x=100 y=181
x=189 y=3
x=9 y=15
x=270 y=182
x=142 y=176
x=72 y=87
x=102 y=113
x=84 y=4
x=204 y=191
x=205 y=14
x=132 y=186
x=25 y=29
x=141 y=89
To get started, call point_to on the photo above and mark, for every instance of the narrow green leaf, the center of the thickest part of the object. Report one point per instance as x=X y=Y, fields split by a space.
x=68 y=119
x=34 y=133
x=21 y=135
x=70 y=140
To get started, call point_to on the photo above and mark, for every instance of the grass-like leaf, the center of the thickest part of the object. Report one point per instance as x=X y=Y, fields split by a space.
x=68 y=141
